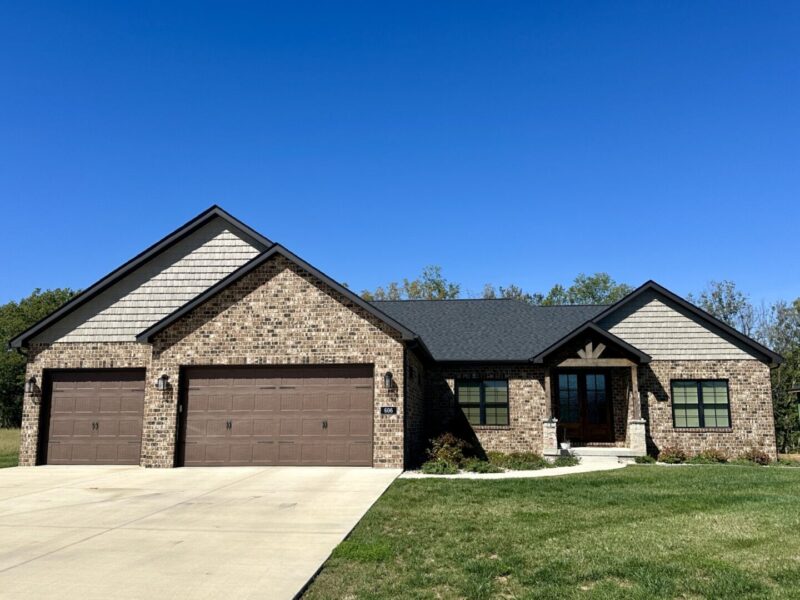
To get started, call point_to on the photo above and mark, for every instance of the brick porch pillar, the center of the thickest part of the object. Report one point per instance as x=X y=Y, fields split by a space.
x=549 y=436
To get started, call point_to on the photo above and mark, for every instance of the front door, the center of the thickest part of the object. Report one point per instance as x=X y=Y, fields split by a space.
x=583 y=401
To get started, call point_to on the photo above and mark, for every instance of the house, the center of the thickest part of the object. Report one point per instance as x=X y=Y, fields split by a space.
x=218 y=346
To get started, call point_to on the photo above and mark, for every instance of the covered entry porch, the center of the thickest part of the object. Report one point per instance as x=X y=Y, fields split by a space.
x=593 y=405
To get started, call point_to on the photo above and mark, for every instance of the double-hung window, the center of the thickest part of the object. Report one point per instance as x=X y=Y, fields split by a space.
x=484 y=402
x=700 y=403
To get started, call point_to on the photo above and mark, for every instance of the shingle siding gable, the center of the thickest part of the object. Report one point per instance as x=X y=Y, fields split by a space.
x=667 y=332
x=157 y=288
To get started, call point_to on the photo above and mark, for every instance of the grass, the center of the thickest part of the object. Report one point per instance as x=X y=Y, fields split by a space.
x=640 y=532
x=9 y=447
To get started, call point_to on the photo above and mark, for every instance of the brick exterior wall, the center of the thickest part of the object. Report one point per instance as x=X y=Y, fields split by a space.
x=415 y=410
x=278 y=314
x=526 y=404
x=749 y=392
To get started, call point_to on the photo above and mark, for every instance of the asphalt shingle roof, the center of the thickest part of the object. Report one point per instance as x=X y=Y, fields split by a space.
x=486 y=330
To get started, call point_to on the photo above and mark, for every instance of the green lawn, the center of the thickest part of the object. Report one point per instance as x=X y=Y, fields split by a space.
x=641 y=532
x=9 y=447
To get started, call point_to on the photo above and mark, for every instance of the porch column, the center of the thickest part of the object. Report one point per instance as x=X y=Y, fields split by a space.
x=637 y=434
x=549 y=424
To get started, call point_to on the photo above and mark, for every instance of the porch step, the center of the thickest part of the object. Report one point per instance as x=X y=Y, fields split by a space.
x=603 y=451
x=592 y=451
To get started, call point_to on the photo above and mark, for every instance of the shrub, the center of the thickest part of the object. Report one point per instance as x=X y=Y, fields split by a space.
x=645 y=460
x=709 y=457
x=448 y=448
x=499 y=459
x=755 y=456
x=439 y=467
x=525 y=461
x=566 y=460
x=672 y=456
x=480 y=466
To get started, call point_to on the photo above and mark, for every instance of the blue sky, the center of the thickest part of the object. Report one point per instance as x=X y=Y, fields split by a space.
x=518 y=142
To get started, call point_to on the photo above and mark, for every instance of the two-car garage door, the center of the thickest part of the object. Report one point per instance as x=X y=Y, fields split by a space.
x=309 y=415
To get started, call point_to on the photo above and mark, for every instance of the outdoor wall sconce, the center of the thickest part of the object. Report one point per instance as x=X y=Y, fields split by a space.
x=30 y=386
x=388 y=380
x=162 y=383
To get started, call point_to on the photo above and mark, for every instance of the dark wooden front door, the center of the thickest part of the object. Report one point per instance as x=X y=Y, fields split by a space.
x=583 y=401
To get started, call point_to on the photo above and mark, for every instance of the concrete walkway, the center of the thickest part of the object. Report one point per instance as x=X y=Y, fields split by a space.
x=127 y=532
x=589 y=464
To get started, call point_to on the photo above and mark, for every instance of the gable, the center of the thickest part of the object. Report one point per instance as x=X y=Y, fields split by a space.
x=667 y=331
x=278 y=311
x=157 y=287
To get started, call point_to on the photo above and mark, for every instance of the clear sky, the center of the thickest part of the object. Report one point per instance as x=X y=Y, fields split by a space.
x=518 y=142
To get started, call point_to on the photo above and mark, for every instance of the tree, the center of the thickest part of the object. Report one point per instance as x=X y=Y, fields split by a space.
x=599 y=288
x=780 y=330
x=512 y=292
x=430 y=285
x=16 y=317
x=730 y=305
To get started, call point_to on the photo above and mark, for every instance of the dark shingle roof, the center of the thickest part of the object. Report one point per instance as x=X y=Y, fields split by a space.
x=486 y=330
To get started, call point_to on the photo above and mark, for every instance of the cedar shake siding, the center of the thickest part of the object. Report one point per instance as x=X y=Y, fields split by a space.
x=156 y=289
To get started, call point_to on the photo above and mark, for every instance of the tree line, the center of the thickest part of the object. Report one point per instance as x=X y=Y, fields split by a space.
x=777 y=326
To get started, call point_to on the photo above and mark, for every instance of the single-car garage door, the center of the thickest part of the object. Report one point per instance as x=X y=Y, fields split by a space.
x=320 y=415
x=94 y=418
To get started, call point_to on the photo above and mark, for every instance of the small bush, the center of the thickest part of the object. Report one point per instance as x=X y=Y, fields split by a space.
x=439 y=467
x=525 y=461
x=756 y=456
x=499 y=459
x=566 y=460
x=709 y=457
x=448 y=448
x=645 y=460
x=475 y=465
x=672 y=456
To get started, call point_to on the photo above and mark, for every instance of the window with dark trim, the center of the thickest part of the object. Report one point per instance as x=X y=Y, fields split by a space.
x=700 y=403
x=483 y=402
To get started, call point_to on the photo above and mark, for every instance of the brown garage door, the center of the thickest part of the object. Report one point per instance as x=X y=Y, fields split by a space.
x=278 y=416
x=94 y=418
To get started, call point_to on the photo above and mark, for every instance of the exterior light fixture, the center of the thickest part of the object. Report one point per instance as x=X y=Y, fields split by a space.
x=388 y=380
x=162 y=383
x=30 y=385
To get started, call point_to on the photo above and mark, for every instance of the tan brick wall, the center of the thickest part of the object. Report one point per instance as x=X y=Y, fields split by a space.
x=101 y=355
x=526 y=402
x=752 y=423
x=279 y=314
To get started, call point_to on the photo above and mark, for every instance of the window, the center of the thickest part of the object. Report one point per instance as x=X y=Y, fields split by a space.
x=700 y=403
x=568 y=402
x=483 y=402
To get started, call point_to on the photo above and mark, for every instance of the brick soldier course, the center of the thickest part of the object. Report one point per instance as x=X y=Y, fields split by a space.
x=259 y=304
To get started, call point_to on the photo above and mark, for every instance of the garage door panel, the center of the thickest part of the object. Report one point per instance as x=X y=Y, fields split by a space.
x=360 y=427
x=314 y=402
x=95 y=417
x=312 y=453
x=360 y=453
x=290 y=427
x=243 y=402
x=241 y=426
x=265 y=453
x=277 y=415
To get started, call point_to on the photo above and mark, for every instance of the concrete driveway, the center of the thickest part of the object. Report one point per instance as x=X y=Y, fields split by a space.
x=128 y=532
